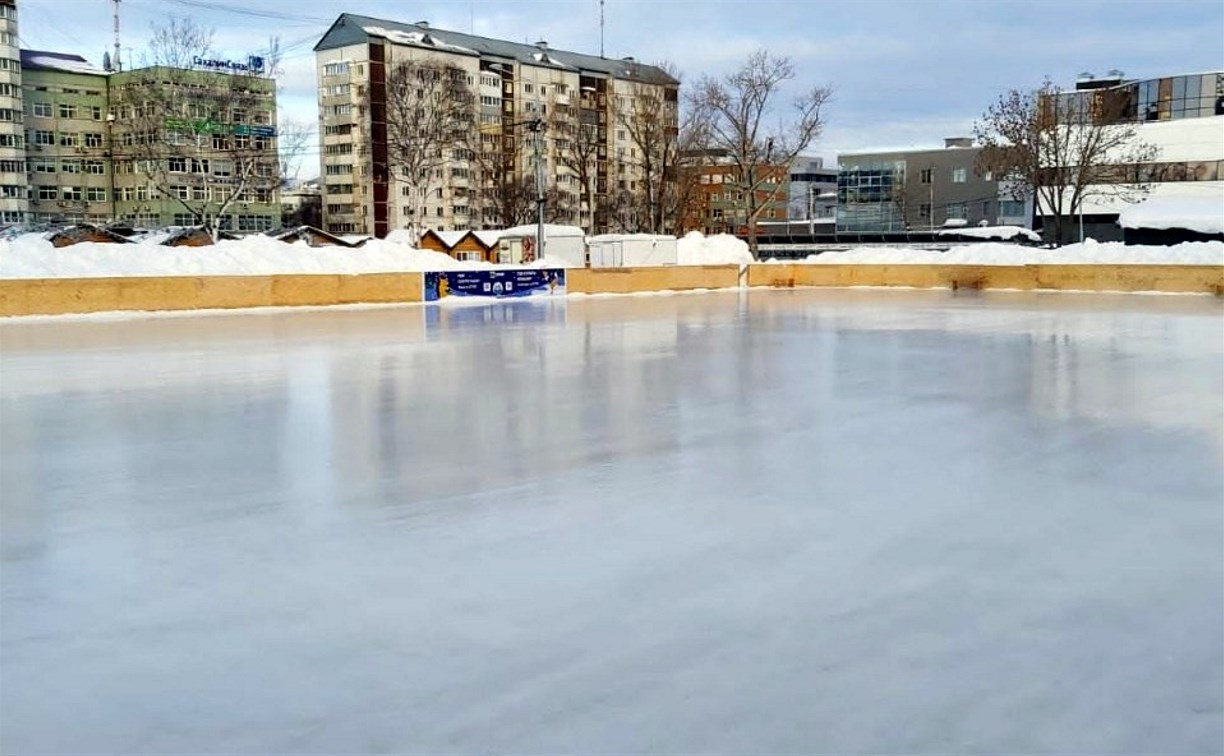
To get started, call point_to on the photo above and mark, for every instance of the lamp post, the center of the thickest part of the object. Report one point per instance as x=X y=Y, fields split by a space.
x=537 y=129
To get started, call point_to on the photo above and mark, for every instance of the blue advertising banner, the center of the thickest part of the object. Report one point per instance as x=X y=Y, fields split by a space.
x=523 y=282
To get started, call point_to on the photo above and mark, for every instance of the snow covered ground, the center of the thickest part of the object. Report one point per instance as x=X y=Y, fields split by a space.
x=31 y=256
x=987 y=253
x=742 y=522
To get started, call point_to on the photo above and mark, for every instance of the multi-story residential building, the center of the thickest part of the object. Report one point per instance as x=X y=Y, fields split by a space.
x=1182 y=116
x=68 y=146
x=14 y=199
x=913 y=190
x=97 y=149
x=514 y=87
x=717 y=203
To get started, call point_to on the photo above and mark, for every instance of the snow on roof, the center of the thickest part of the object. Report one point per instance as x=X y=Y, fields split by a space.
x=629 y=237
x=450 y=238
x=993 y=232
x=1202 y=214
x=416 y=39
x=549 y=230
x=488 y=238
x=58 y=62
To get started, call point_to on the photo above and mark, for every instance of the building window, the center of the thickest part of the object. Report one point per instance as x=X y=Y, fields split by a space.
x=177 y=165
x=924 y=176
x=44 y=138
x=957 y=210
x=959 y=175
x=924 y=211
x=48 y=193
x=42 y=165
x=73 y=193
x=95 y=194
x=70 y=140
x=42 y=109
x=1011 y=208
x=70 y=166
x=67 y=111
x=93 y=139
x=184 y=219
x=335 y=69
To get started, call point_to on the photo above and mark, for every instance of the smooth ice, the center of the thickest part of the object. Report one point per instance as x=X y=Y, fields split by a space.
x=766 y=522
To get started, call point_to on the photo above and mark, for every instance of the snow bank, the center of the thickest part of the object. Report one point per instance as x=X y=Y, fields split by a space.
x=721 y=249
x=1202 y=214
x=1089 y=253
x=31 y=256
x=1003 y=233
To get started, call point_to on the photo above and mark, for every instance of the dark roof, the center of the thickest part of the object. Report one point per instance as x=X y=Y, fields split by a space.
x=43 y=60
x=348 y=29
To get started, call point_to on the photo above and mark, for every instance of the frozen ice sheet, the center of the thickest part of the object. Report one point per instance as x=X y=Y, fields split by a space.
x=808 y=521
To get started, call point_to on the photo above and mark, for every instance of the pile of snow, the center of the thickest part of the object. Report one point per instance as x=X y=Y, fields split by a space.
x=1089 y=253
x=31 y=256
x=1003 y=233
x=721 y=249
x=402 y=236
x=1202 y=214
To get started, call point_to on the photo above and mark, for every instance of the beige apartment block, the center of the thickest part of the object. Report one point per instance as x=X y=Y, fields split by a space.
x=513 y=86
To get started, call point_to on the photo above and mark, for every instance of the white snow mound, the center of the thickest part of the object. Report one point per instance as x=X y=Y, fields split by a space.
x=696 y=248
x=31 y=256
x=1089 y=253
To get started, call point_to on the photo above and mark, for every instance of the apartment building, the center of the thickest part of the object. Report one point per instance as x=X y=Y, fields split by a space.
x=919 y=189
x=1182 y=116
x=717 y=203
x=528 y=102
x=14 y=199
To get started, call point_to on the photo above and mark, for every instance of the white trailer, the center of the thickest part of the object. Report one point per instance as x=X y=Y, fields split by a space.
x=632 y=250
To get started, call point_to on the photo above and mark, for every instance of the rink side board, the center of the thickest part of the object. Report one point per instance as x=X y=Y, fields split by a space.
x=502 y=284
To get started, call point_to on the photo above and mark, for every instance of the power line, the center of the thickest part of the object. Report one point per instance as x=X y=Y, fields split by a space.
x=241 y=11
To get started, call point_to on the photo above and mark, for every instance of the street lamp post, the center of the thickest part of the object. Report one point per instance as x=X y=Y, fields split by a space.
x=537 y=129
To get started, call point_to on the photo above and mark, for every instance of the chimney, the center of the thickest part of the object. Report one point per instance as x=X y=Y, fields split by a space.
x=422 y=24
x=958 y=142
x=629 y=59
x=542 y=44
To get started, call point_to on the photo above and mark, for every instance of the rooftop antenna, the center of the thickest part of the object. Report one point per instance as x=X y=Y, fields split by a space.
x=115 y=9
x=601 y=27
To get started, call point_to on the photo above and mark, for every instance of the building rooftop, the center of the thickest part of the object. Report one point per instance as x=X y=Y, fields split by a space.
x=351 y=29
x=41 y=60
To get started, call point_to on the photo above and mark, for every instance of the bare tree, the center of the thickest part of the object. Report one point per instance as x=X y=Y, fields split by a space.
x=204 y=140
x=429 y=115
x=739 y=111
x=652 y=124
x=1065 y=146
x=578 y=147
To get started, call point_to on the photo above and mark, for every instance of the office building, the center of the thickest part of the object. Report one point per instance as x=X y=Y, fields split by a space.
x=915 y=190
x=1182 y=116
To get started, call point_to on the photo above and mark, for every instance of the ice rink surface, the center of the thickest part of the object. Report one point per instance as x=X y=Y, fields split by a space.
x=765 y=521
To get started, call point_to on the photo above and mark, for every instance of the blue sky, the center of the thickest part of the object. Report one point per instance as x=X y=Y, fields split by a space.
x=905 y=72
